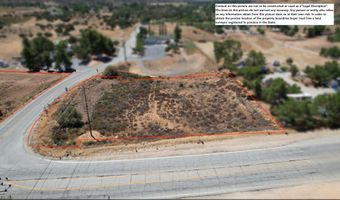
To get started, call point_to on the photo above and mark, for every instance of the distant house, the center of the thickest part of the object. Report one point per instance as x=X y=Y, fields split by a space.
x=276 y=63
x=276 y=29
x=241 y=64
x=334 y=84
x=300 y=96
x=154 y=40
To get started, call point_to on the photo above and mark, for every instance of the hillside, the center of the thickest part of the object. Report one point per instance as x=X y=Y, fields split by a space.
x=144 y=110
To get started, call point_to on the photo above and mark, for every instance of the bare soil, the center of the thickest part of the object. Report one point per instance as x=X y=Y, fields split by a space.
x=188 y=32
x=314 y=190
x=175 y=64
x=18 y=88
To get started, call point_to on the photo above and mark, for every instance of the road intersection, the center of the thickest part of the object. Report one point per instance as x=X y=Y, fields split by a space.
x=32 y=176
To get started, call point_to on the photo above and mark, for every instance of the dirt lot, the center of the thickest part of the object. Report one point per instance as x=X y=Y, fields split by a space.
x=18 y=88
x=143 y=111
x=176 y=64
x=188 y=32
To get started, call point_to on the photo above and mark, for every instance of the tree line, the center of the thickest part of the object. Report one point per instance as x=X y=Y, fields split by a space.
x=41 y=53
x=303 y=115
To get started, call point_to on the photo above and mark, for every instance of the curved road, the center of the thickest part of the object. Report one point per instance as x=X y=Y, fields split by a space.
x=31 y=176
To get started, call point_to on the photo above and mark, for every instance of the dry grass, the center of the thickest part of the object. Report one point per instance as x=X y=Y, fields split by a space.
x=154 y=108
x=16 y=89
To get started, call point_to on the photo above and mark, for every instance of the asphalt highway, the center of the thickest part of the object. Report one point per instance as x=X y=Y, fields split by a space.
x=32 y=176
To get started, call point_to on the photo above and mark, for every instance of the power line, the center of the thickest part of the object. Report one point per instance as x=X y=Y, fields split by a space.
x=87 y=112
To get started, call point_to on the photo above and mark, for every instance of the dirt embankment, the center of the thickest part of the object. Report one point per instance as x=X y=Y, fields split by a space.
x=132 y=111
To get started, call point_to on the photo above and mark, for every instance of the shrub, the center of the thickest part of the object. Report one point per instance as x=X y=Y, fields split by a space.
x=322 y=74
x=48 y=34
x=335 y=37
x=255 y=59
x=277 y=91
x=69 y=117
x=304 y=115
x=230 y=50
x=110 y=71
x=315 y=31
x=333 y=52
x=294 y=114
x=261 y=30
x=294 y=70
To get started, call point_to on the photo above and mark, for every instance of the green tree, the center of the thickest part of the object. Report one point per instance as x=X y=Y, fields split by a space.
x=289 y=61
x=294 y=114
x=28 y=54
x=276 y=92
x=258 y=89
x=139 y=48
x=91 y=42
x=294 y=70
x=230 y=50
x=322 y=74
x=261 y=30
x=333 y=52
x=178 y=34
x=315 y=31
x=326 y=110
x=44 y=50
x=61 y=56
x=2 y=24
x=255 y=59
x=37 y=53
x=335 y=37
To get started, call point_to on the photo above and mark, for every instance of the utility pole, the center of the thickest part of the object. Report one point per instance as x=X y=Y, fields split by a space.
x=149 y=29
x=124 y=46
x=87 y=112
x=165 y=30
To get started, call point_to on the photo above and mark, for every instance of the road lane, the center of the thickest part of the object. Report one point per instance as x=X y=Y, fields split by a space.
x=182 y=176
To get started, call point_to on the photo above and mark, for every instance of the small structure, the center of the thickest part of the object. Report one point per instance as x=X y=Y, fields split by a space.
x=334 y=84
x=241 y=64
x=3 y=63
x=276 y=63
x=300 y=96
x=154 y=40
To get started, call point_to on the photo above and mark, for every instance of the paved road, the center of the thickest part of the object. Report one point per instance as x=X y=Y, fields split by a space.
x=181 y=176
x=31 y=176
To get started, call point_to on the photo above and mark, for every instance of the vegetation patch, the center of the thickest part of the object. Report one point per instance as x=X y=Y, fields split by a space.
x=147 y=110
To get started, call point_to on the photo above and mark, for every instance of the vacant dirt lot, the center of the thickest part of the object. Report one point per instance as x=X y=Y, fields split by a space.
x=175 y=64
x=188 y=32
x=18 y=88
x=136 y=111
